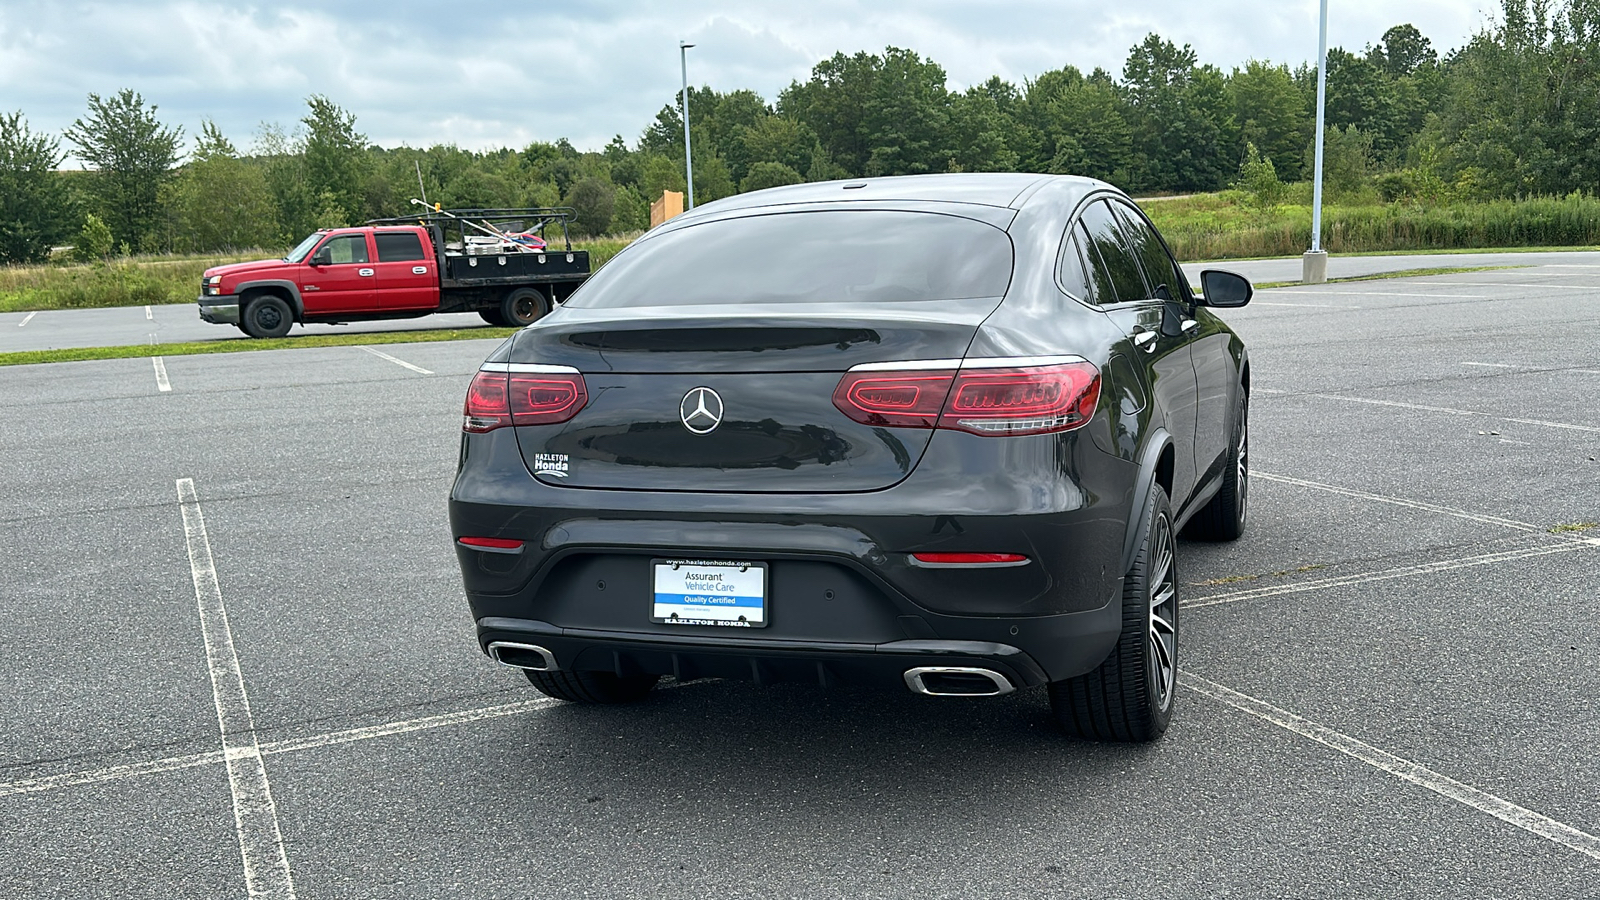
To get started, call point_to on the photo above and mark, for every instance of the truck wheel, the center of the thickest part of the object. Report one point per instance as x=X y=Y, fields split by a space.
x=492 y=316
x=266 y=317
x=524 y=306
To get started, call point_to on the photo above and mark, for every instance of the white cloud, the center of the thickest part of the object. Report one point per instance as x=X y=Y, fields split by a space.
x=486 y=75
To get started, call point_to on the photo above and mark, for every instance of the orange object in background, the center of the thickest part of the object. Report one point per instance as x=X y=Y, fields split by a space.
x=670 y=204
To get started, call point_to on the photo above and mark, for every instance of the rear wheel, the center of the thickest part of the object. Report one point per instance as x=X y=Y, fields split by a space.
x=492 y=316
x=1129 y=697
x=523 y=306
x=267 y=316
x=1222 y=519
x=592 y=687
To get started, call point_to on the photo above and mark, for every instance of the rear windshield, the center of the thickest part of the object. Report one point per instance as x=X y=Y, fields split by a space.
x=858 y=256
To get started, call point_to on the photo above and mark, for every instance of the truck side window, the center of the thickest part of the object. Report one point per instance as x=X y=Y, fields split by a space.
x=346 y=249
x=1105 y=239
x=399 y=246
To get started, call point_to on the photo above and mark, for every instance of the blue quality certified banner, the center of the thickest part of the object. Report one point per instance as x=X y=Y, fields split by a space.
x=699 y=592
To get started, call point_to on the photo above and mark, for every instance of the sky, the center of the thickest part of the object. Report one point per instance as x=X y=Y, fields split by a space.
x=504 y=74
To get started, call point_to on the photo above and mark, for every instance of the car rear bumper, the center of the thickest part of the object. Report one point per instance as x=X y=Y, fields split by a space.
x=1056 y=647
x=222 y=309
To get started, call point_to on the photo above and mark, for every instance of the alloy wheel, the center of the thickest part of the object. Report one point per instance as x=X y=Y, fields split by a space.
x=1162 y=622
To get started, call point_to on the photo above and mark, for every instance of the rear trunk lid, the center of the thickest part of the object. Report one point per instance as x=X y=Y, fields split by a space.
x=713 y=398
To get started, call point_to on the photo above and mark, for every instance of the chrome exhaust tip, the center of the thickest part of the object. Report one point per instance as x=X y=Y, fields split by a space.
x=522 y=656
x=957 y=681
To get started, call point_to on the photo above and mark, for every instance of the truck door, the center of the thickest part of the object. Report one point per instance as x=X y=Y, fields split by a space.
x=406 y=276
x=339 y=277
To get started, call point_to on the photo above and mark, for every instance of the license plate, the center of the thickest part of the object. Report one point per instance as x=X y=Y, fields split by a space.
x=709 y=592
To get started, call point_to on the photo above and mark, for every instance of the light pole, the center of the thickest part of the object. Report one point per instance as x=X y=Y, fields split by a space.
x=1314 y=265
x=688 y=154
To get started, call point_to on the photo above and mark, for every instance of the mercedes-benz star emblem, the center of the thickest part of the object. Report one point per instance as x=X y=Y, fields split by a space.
x=701 y=410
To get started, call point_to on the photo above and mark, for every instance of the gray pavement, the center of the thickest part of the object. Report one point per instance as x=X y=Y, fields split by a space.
x=1388 y=692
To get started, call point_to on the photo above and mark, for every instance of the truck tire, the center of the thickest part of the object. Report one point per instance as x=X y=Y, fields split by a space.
x=523 y=306
x=266 y=316
x=492 y=316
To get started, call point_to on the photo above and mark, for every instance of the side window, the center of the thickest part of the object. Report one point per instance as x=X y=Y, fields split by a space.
x=1074 y=277
x=346 y=249
x=1099 y=277
x=1120 y=264
x=1159 y=268
x=399 y=246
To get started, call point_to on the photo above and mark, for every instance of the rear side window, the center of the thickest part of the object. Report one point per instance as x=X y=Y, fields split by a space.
x=399 y=246
x=1074 y=274
x=856 y=256
x=1166 y=279
x=1121 y=268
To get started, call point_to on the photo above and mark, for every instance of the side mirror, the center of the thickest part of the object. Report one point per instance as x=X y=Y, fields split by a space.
x=1224 y=289
x=324 y=257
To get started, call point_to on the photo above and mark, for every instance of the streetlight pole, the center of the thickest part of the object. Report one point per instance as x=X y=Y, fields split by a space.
x=688 y=154
x=1314 y=265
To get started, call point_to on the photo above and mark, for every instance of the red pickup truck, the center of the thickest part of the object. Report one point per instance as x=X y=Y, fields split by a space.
x=486 y=261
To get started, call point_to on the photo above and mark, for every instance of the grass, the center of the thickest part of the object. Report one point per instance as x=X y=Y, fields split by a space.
x=241 y=345
x=136 y=281
x=1573 y=527
x=1235 y=579
x=1227 y=225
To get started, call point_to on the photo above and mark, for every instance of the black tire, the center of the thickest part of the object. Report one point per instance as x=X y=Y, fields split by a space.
x=492 y=316
x=1223 y=518
x=267 y=316
x=1130 y=696
x=592 y=687
x=523 y=306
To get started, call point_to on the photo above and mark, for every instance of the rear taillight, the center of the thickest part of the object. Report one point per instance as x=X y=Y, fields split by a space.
x=987 y=397
x=540 y=396
x=969 y=560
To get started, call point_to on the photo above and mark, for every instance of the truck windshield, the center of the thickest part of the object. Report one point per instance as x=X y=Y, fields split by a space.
x=856 y=256
x=299 y=253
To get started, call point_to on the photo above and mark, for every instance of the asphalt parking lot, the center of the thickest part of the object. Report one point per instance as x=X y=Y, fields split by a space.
x=237 y=659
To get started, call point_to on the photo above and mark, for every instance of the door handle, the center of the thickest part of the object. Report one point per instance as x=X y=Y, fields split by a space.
x=1189 y=325
x=1145 y=339
x=364 y=272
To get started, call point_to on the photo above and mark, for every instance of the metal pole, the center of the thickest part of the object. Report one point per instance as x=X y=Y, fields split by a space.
x=1322 y=104
x=688 y=154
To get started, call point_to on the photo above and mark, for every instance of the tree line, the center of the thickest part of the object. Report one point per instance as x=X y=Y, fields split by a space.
x=1512 y=113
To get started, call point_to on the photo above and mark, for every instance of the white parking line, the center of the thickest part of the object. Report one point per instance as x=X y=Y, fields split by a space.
x=1401 y=768
x=1492 y=365
x=291 y=745
x=266 y=867
x=1412 y=504
x=148 y=314
x=1543 y=423
x=1305 y=305
x=1331 y=293
x=27 y=318
x=95 y=776
x=162 y=384
x=399 y=362
x=1487 y=559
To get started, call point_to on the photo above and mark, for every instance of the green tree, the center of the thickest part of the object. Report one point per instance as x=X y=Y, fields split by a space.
x=35 y=208
x=133 y=155
x=219 y=201
x=769 y=174
x=1259 y=178
x=335 y=158
x=94 y=240
x=1271 y=113
x=593 y=201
